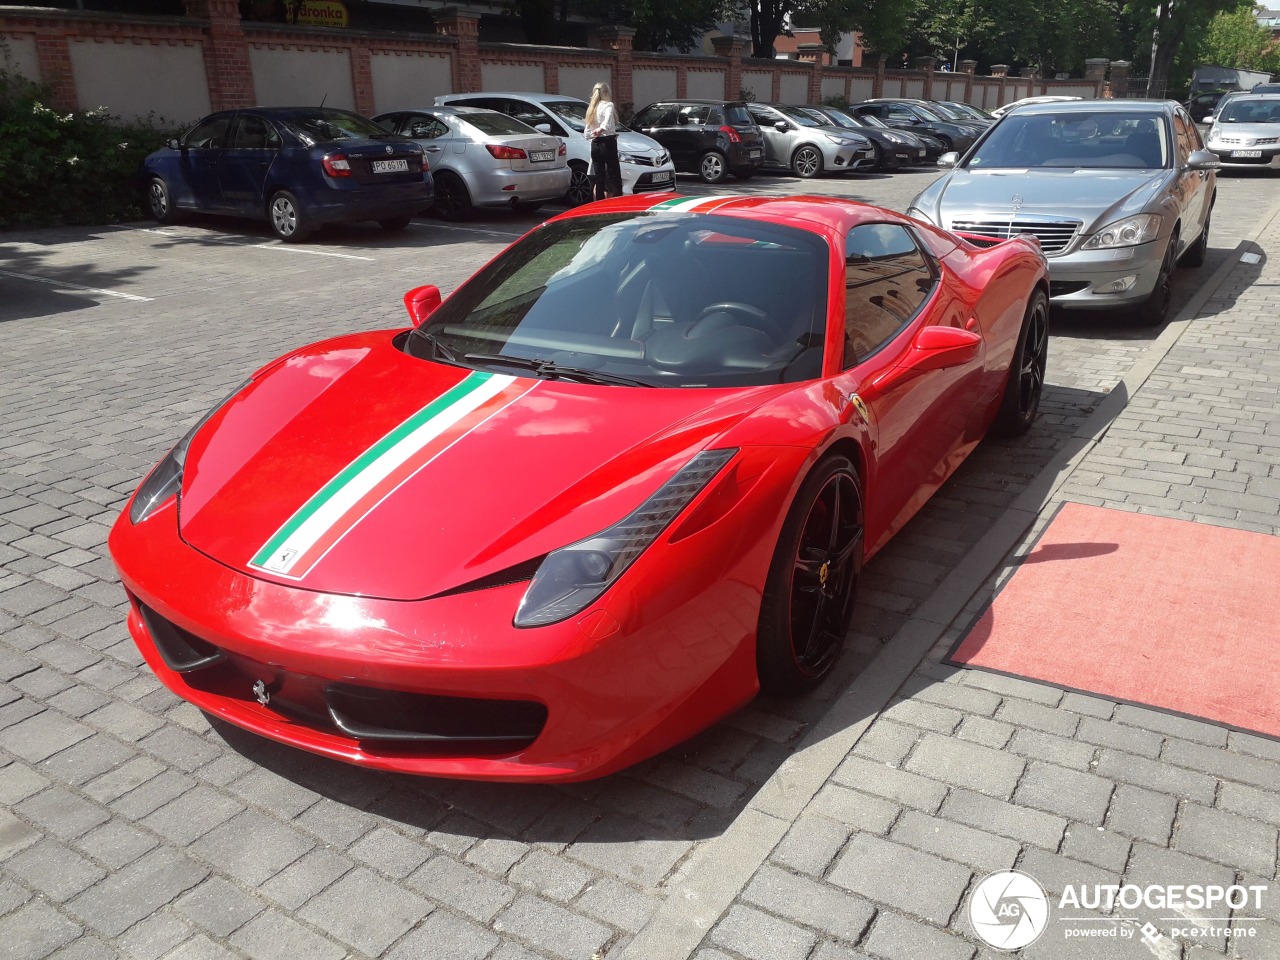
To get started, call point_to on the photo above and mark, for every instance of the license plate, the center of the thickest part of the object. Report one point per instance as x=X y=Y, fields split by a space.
x=390 y=166
x=753 y=154
x=1246 y=153
x=541 y=156
x=662 y=177
x=920 y=153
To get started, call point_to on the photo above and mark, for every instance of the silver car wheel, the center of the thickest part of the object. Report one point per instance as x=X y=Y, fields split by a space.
x=287 y=221
x=807 y=163
x=712 y=168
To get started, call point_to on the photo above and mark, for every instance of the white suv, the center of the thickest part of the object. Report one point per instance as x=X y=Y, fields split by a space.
x=646 y=164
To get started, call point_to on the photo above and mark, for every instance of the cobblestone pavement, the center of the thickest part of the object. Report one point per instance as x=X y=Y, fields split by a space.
x=132 y=826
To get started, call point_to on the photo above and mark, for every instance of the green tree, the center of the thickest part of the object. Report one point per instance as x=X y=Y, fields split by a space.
x=882 y=23
x=1234 y=39
x=1168 y=24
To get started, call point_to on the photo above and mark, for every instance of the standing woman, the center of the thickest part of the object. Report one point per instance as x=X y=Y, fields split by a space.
x=602 y=131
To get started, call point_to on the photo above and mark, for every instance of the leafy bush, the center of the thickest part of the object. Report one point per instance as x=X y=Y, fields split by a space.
x=68 y=168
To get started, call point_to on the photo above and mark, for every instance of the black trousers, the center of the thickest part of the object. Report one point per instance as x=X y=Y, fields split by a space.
x=605 y=166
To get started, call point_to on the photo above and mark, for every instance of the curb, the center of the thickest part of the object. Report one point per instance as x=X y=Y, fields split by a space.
x=723 y=869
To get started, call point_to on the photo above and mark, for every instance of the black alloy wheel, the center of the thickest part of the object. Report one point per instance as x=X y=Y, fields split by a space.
x=1152 y=311
x=812 y=581
x=1025 y=386
x=452 y=202
x=579 y=191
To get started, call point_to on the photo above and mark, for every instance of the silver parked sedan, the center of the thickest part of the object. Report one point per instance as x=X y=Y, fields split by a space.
x=482 y=158
x=1247 y=131
x=797 y=142
x=1118 y=192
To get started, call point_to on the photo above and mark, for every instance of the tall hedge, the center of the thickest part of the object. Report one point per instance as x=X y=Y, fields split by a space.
x=68 y=168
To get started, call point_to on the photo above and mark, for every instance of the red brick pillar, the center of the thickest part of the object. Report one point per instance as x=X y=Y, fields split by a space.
x=878 y=62
x=226 y=57
x=54 y=57
x=968 y=68
x=551 y=76
x=731 y=49
x=815 y=54
x=1095 y=72
x=1120 y=78
x=619 y=41
x=464 y=25
x=362 y=79
x=928 y=65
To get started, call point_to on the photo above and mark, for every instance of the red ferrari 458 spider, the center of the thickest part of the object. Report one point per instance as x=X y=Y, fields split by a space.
x=619 y=481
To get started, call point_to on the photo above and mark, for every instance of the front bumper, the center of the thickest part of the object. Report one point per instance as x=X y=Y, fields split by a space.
x=664 y=653
x=1076 y=278
x=1268 y=155
x=847 y=159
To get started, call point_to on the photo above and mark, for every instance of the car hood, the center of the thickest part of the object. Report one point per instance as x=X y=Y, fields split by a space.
x=1253 y=131
x=631 y=142
x=1094 y=197
x=350 y=467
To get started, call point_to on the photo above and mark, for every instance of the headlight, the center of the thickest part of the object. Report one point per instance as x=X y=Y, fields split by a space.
x=572 y=577
x=842 y=141
x=1128 y=232
x=640 y=158
x=165 y=480
x=894 y=138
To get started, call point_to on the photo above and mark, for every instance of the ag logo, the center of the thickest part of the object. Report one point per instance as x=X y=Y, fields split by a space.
x=1009 y=910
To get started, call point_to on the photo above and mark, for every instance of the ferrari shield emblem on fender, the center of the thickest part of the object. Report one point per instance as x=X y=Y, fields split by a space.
x=861 y=406
x=261 y=693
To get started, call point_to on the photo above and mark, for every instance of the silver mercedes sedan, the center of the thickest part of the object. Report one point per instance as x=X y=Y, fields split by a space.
x=1118 y=192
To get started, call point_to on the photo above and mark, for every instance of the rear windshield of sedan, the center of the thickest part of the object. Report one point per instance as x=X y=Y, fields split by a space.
x=664 y=299
x=321 y=126
x=1079 y=140
x=496 y=124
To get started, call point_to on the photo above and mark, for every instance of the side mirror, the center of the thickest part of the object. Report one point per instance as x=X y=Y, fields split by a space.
x=542 y=127
x=935 y=348
x=1203 y=160
x=782 y=125
x=421 y=302
x=949 y=159
x=173 y=144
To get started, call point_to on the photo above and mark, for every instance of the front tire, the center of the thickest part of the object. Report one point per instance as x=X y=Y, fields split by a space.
x=809 y=593
x=712 y=168
x=286 y=217
x=1195 y=256
x=1152 y=311
x=160 y=202
x=806 y=162
x=1023 y=389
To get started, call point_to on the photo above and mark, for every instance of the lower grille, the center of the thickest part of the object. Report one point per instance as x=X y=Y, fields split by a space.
x=1054 y=235
x=1060 y=288
x=648 y=182
x=380 y=719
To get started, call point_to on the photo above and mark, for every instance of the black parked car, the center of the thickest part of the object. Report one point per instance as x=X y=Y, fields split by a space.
x=295 y=167
x=894 y=148
x=711 y=138
x=914 y=116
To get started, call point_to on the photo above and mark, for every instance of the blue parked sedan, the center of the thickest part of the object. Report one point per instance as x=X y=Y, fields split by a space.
x=299 y=167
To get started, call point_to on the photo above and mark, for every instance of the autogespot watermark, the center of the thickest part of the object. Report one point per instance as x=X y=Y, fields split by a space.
x=1010 y=910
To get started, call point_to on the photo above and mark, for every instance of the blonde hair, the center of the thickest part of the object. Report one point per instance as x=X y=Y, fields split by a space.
x=600 y=92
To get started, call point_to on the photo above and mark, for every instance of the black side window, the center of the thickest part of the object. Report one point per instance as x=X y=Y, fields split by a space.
x=657 y=115
x=422 y=127
x=528 y=113
x=254 y=133
x=208 y=133
x=696 y=113
x=887 y=279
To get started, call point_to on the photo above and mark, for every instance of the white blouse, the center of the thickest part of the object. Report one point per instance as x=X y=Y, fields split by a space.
x=606 y=124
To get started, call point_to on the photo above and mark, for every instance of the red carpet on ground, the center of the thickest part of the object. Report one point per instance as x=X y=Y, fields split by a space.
x=1169 y=614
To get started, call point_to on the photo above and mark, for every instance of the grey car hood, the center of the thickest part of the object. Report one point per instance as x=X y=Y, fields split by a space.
x=1095 y=197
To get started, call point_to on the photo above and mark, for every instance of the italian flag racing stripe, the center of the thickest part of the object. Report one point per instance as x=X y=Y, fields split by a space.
x=364 y=483
x=693 y=204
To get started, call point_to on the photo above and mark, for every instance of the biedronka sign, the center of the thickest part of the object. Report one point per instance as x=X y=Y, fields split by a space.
x=321 y=13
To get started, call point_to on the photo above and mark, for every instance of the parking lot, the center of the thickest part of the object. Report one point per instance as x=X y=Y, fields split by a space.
x=135 y=826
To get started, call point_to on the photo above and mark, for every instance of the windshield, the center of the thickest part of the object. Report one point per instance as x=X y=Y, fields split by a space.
x=1080 y=140
x=946 y=111
x=572 y=112
x=839 y=118
x=870 y=120
x=926 y=113
x=320 y=126
x=1251 y=111
x=666 y=299
x=799 y=116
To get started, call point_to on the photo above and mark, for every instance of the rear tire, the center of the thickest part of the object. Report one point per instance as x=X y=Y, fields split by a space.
x=453 y=202
x=1022 y=391
x=713 y=168
x=579 y=191
x=286 y=217
x=809 y=592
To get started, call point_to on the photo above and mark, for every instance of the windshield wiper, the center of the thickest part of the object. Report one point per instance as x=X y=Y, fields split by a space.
x=438 y=350
x=550 y=370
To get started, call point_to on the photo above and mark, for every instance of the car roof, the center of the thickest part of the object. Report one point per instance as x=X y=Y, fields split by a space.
x=697 y=100
x=1095 y=106
x=455 y=109
x=522 y=94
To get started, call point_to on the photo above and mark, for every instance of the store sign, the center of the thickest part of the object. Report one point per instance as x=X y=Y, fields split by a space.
x=321 y=13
